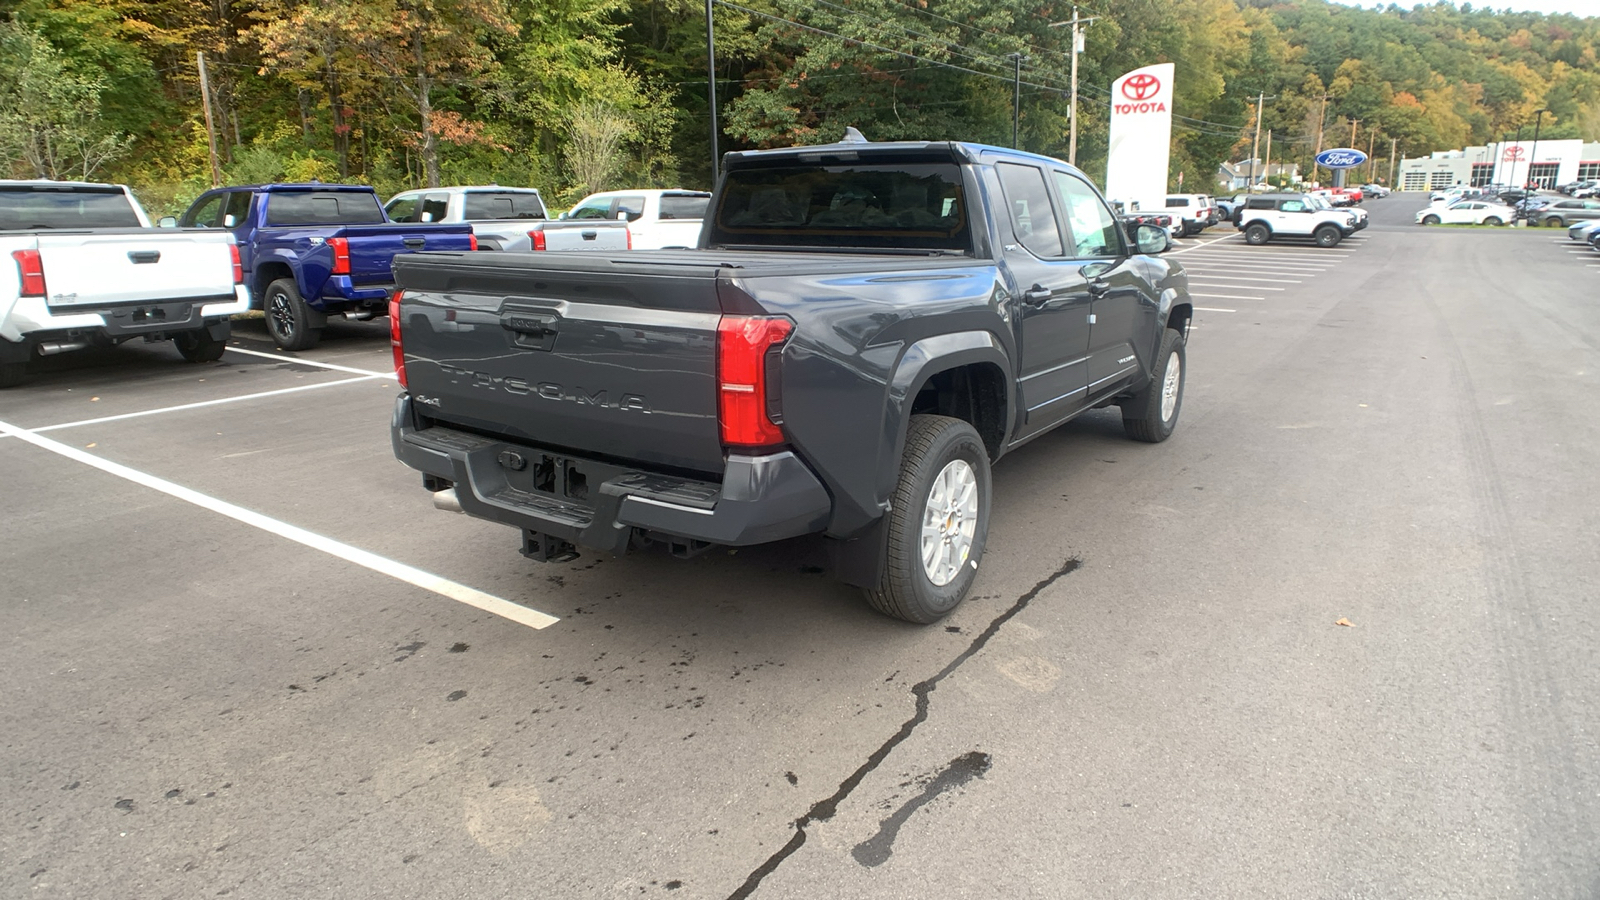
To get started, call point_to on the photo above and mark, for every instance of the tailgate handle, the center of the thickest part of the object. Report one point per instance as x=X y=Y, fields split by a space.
x=416 y=243
x=590 y=235
x=144 y=256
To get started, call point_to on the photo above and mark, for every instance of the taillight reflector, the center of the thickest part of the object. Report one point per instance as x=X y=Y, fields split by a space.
x=31 y=268
x=341 y=255
x=742 y=345
x=238 y=266
x=630 y=237
x=538 y=239
x=395 y=342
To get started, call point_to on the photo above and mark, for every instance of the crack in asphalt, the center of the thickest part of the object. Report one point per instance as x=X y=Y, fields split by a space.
x=825 y=809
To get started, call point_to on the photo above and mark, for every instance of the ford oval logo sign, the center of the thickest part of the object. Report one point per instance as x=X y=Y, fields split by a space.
x=1341 y=158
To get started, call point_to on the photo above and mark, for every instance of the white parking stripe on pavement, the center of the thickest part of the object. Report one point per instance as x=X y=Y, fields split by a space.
x=310 y=362
x=1203 y=261
x=1231 y=277
x=1201 y=244
x=1224 y=296
x=1243 y=287
x=220 y=400
x=473 y=597
x=1213 y=309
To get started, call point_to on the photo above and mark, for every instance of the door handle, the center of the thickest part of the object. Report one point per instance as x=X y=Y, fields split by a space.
x=416 y=243
x=1038 y=295
x=139 y=257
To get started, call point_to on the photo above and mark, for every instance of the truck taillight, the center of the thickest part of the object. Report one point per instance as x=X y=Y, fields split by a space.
x=395 y=342
x=538 y=239
x=472 y=240
x=31 y=270
x=238 y=266
x=341 y=255
x=743 y=391
x=629 y=232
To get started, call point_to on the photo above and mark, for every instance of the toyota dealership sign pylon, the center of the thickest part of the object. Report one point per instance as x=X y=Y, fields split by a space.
x=1141 y=136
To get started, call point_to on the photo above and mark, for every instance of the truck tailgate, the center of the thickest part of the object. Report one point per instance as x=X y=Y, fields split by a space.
x=374 y=247
x=577 y=351
x=135 y=265
x=585 y=235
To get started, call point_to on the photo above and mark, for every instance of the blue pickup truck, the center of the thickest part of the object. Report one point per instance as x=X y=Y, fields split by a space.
x=314 y=250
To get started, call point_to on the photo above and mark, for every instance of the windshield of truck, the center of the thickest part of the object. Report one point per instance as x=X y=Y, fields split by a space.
x=893 y=206
x=323 y=208
x=684 y=206
x=503 y=205
x=30 y=207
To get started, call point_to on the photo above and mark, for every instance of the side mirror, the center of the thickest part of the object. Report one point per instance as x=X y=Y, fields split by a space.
x=1151 y=240
x=230 y=221
x=167 y=222
x=563 y=215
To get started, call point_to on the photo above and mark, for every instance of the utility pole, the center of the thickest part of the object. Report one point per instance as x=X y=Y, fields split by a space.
x=1266 y=169
x=1016 y=99
x=1353 y=124
x=1255 y=146
x=211 y=128
x=1322 y=118
x=1372 y=144
x=1533 y=155
x=711 y=90
x=1393 y=144
x=1077 y=22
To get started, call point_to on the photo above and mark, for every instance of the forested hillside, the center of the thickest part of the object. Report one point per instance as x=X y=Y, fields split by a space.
x=577 y=95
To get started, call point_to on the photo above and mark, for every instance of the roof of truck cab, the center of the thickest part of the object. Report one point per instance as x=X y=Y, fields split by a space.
x=300 y=186
x=959 y=151
x=47 y=182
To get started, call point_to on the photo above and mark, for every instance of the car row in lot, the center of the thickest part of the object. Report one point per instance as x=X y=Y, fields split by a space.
x=1297 y=216
x=1586 y=232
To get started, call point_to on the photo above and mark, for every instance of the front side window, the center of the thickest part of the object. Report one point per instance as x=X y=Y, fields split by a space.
x=593 y=208
x=1033 y=220
x=1093 y=227
x=633 y=207
x=404 y=209
x=435 y=207
x=205 y=213
x=238 y=209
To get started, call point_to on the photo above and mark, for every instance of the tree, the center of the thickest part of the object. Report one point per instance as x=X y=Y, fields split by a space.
x=50 y=118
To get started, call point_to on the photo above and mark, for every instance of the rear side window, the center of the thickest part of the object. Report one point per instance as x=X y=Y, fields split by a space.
x=1293 y=206
x=28 y=207
x=1177 y=201
x=323 y=208
x=1032 y=218
x=890 y=206
x=1260 y=203
x=504 y=205
x=684 y=206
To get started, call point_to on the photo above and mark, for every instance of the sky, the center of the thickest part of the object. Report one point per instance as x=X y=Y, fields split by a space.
x=1575 y=7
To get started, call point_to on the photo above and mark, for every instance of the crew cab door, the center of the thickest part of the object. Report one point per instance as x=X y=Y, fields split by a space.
x=1052 y=313
x=1122 y=316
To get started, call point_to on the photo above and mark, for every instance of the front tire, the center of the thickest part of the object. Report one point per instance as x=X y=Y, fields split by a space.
x=199 y=346
x=939 y=521
x=1327 y=236
x=1152 y=414
x=1430 y=220
x=1257 y=234
x=288 y=317
x=1555 y=222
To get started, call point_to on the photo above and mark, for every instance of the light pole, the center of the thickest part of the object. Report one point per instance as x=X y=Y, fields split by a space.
x=1255 y=146
x=711 y=89
x=1016 y=99
x=1533 y=155
x=1077 y=47
x=1518 y=145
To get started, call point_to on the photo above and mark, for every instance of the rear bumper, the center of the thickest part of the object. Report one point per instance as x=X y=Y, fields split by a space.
x=596 y=504
x=32 y=315
x=340 y=290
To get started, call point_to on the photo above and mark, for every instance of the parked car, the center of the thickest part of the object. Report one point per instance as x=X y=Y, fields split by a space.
x=1374 y=191
x=1467 y=212
x=314 y=250
x=1348 y=196
x=656 y=219
x=1447 y=195
x=1192 y=211
x=1292 y=216
x=88 y=270
x=505 y=218
x=766 y=385
x=1355 y=216
x=1582 y=231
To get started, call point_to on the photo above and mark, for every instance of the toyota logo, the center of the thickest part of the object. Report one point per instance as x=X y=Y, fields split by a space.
x=1513 y=154
x=1142 y=86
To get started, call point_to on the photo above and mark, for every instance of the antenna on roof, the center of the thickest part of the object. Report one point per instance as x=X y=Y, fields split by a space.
x=853 y=136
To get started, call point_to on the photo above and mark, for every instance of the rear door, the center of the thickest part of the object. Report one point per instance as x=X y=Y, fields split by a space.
x=1052 y=318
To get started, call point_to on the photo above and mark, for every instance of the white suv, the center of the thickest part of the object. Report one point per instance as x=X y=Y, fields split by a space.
x=1292 y=215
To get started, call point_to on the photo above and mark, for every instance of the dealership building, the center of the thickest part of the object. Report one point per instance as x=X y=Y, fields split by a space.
x=1548 y=163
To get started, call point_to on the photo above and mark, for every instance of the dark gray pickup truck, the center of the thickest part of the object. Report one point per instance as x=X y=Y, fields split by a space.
x=863 y=330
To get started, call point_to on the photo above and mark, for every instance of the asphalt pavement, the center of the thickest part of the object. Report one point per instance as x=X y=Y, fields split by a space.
x=1335 y=639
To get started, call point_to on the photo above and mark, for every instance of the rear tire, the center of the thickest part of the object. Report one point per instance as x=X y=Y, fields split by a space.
x=1257 y=234
x=1555 y=222
x=938 y=524
x=1152 y=414
x=288 y=318
x=1493 y=222
x=199 y=346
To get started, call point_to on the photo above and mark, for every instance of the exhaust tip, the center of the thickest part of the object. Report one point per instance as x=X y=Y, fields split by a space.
x=447 y=500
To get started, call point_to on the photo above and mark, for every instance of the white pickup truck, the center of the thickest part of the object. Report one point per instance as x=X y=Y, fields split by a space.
x=87 y=269
x=505 y=218
x=656 y=219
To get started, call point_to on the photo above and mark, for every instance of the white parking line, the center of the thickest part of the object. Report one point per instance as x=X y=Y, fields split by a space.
x=473 y=597
x=310 y=362
x=1232 y=277
x=1212 y=309
x=197 y=405
x=1203 y=261
x=1238 y=260
x=1201 y=244
x=1242 y=287
x=1224 y=296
